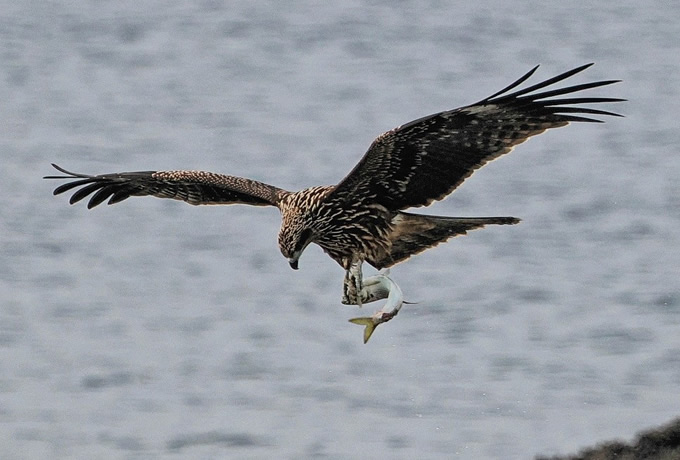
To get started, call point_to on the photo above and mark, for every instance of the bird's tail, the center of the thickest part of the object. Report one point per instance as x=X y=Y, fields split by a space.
x=414 y=233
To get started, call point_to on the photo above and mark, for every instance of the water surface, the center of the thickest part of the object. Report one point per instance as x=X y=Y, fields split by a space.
x=154 y=329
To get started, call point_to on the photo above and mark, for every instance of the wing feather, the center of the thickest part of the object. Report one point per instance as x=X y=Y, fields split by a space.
x=102 y=195
x=194 y=187
x=426 y=159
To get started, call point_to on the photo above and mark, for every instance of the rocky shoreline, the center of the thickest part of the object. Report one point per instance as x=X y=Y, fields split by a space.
x=662 y=443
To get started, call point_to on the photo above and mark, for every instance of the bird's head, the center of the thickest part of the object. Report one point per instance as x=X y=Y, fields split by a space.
x=299 y=221
x=293 y=241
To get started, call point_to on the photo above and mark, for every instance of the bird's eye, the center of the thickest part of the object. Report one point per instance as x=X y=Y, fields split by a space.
x=304 y=239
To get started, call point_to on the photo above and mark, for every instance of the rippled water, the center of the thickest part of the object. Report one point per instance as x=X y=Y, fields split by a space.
x=153 y=329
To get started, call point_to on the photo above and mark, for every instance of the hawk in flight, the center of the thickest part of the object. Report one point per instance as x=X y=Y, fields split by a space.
x=363 y=217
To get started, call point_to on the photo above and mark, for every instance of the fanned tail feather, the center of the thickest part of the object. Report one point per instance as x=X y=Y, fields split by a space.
x=414 y=233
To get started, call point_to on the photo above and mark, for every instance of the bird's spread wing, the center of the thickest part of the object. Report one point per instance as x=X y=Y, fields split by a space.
x=426 y=159
x=194 y=187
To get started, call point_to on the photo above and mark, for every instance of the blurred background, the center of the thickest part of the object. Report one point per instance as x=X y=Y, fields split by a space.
x=152 y=328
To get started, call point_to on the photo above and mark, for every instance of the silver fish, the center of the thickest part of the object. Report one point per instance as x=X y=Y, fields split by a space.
x=375 y=288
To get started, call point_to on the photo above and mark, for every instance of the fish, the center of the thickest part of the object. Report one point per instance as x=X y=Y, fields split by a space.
x=375 y=288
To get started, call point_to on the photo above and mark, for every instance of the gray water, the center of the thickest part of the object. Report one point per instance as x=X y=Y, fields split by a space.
x=154 y=329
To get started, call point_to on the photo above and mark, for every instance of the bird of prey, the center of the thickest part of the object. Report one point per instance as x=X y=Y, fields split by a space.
x=363 y=217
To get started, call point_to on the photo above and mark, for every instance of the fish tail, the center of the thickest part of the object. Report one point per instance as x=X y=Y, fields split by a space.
x=368 y=322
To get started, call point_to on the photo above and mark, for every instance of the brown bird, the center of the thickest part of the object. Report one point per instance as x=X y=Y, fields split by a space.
x=362 y=218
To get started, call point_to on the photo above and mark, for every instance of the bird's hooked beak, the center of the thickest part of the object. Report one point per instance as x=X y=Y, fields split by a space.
x=293 y=263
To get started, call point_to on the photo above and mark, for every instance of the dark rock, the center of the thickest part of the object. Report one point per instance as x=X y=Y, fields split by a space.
x=661 y=443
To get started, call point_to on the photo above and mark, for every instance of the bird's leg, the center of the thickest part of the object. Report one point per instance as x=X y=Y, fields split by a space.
x=379 y=287
x=353 y=284
x=374 y=288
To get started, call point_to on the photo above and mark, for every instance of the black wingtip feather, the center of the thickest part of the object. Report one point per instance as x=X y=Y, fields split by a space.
x=69 y=185
x=565 y=90
x=529 y=97
x=515 y=84
x=118 y=197
x=524 y=93
x=122 y=192
x=69 y=174
x=560 y=110
x=578 y=119
x=100 y=196
x=582 y=100
x=83 y=192
x=550 y=81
